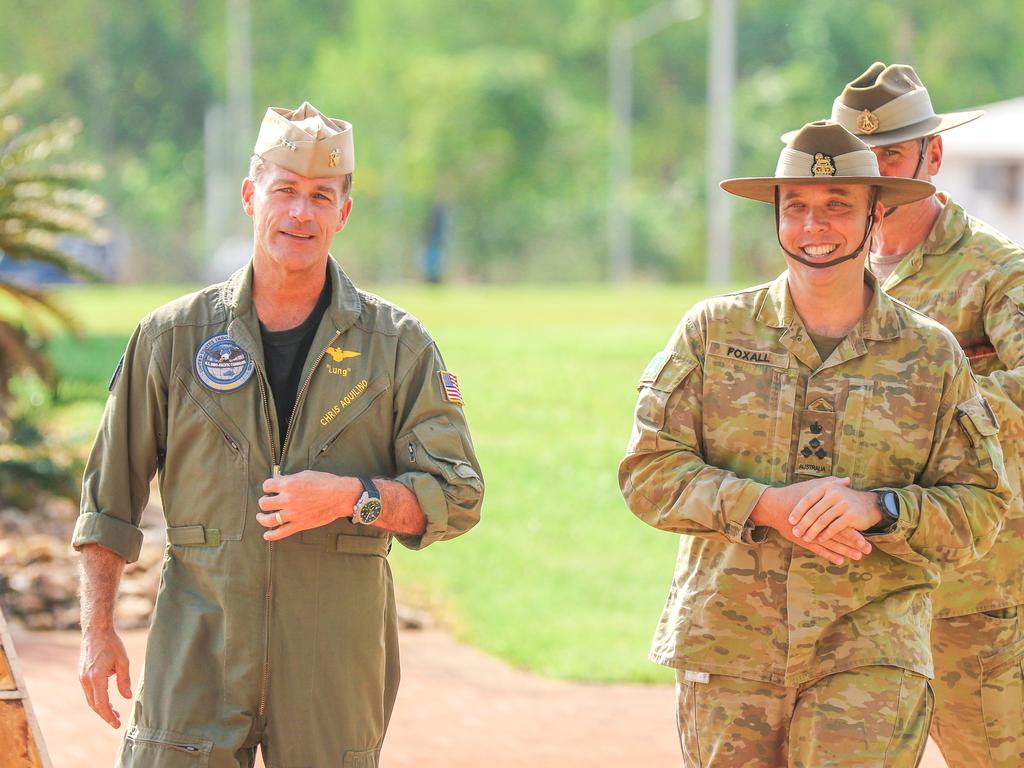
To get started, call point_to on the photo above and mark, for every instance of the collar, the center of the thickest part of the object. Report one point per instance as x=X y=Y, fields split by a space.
x=236 y=294
x=949 y=227
x=344 y=309
x=880 y=321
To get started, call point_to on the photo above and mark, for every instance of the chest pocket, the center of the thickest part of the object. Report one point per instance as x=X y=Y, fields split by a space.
x=743 y=400
x=206 y=468
x=353 y=405
x=886 y=432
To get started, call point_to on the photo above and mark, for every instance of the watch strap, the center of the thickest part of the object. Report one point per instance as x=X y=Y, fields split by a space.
x=370 y=487
x=890 y=517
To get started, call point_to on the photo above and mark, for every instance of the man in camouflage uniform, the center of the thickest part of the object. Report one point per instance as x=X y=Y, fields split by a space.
x=970 y=278
x=823 y=450
x=297 y=426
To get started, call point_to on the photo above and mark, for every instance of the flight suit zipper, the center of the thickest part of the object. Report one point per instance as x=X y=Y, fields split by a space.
x=299 y=399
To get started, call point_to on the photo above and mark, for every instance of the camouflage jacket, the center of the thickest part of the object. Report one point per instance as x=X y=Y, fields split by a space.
x=739 y=401
x=970 y=278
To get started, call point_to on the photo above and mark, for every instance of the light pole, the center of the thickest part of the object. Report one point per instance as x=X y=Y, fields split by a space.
x=721 y=81
x=721 y=76
x=624 y=37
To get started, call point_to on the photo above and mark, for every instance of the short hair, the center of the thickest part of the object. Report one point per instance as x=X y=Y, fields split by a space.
x=256 y=164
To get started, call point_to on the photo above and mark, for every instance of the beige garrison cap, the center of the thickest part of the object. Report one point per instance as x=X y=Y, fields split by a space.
x=826 y=153
x=306 y=141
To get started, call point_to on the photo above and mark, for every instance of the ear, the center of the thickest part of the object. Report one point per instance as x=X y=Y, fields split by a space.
x=343 y=214
x=934 y=154
x=248 y=191
x=876 y=223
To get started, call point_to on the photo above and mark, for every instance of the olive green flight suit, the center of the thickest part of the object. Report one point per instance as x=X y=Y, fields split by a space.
x=970 y=278
x=739 y=401
x=290 y=645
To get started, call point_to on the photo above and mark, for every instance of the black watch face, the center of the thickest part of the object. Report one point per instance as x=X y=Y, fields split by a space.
x=892 y=505
x=370 y=511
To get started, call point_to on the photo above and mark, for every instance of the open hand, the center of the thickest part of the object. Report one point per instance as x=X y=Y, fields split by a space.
x=103 y=655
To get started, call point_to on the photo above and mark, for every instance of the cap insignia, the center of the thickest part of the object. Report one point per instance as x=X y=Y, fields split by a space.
x=867 y=121
x=823 y=165
x=334 y=157
x=289 y=144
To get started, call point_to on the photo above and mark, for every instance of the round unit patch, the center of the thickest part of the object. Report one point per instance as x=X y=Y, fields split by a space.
x=222 y=365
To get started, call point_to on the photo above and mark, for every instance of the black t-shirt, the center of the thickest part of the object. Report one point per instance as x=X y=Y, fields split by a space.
x=284 y=354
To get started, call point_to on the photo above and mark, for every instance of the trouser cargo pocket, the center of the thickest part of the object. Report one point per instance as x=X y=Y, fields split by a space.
x=363 y=759
x=154 y=748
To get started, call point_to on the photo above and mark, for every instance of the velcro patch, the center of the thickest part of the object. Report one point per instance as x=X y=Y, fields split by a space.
x=817 y=439
x=450 y=388
x=655 y=367
x=748 y=355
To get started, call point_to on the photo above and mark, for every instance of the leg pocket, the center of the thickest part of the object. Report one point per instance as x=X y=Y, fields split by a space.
x=1002 y=703
x=363 y=759
x=155 y=748
x=686 y=721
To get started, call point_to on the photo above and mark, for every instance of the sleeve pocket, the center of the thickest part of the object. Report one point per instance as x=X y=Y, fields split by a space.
x=655 y=390
x=977 y=420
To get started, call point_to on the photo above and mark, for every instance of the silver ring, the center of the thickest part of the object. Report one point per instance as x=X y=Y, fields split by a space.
x=277 y=516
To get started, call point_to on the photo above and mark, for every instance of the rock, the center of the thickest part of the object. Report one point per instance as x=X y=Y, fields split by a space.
x=133 y=612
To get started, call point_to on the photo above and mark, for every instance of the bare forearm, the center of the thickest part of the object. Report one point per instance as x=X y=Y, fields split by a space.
x=101 y=572
x=401 y=511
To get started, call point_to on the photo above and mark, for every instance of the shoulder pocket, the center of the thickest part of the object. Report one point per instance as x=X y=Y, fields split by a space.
x=977 y=419
x=656 y=387
x=1016 y=297
x=666 y=371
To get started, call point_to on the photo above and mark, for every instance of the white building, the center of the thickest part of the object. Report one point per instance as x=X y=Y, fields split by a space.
x=983 y=166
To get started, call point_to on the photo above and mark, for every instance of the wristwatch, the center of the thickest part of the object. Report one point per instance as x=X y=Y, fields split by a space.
x=368 y=508
x=889 y=505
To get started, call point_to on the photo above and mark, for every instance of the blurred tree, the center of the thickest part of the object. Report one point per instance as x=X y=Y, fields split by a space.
x=42 y=200
x=494 y=111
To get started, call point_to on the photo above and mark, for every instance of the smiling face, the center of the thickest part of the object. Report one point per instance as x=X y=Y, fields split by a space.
x=822 y=223
x=294 y=217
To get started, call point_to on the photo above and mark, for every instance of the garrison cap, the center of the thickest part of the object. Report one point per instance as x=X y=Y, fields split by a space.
x=306 y=141
x=826 y=153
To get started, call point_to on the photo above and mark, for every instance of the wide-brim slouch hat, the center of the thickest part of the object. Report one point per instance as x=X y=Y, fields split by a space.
x=889 y=105
x=826 y=153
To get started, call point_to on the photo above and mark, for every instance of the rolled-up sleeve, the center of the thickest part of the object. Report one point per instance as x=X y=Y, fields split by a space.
x=125 y=455
x=434 y=453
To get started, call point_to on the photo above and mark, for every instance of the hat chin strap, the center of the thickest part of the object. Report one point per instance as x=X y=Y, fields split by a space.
x=818 y=265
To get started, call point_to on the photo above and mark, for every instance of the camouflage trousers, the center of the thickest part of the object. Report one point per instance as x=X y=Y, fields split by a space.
x=870 y=716
x=979 y=689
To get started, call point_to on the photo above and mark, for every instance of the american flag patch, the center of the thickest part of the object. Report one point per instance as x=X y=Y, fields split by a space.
x=450 y=387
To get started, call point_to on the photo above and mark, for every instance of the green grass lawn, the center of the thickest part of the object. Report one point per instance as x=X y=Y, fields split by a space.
x=559 y=577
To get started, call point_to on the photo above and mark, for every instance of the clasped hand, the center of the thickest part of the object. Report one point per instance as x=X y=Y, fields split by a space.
x=823 y=515
x=305 y=500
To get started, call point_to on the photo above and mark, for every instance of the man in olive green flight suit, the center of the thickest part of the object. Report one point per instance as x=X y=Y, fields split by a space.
x=956 y=269
x=823 y=450
x=296 y=424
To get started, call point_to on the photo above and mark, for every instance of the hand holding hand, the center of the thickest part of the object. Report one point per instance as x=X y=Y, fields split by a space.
x=827 y=511
x=776 y=505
